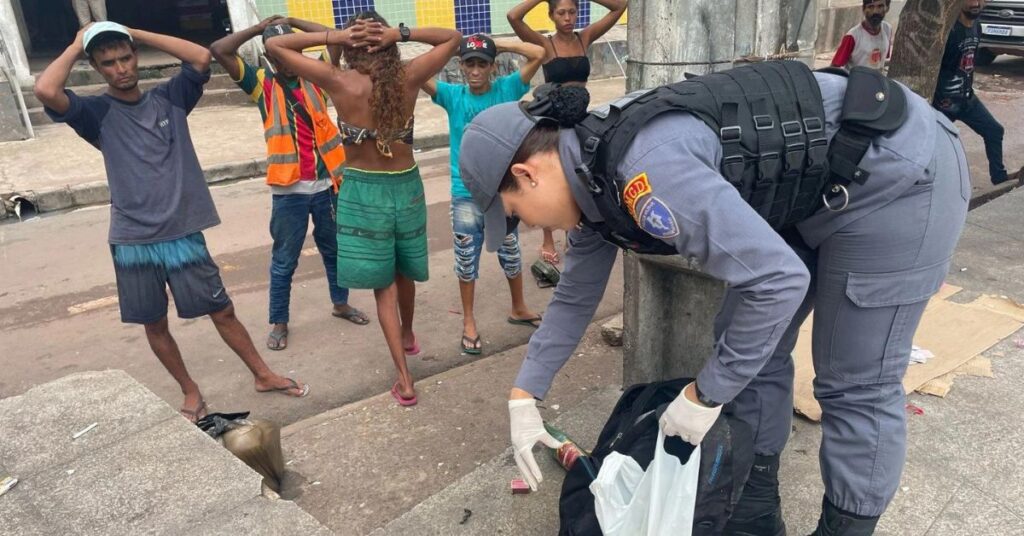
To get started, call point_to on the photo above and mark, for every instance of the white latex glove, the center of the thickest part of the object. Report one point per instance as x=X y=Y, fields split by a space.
x=527 y=429
x=688 y=420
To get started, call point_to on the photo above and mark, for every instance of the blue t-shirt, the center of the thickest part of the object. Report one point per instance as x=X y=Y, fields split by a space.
x=462 y=106
x=157 y=188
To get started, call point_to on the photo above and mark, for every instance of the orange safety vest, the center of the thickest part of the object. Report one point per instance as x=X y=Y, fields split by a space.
x=282 y=155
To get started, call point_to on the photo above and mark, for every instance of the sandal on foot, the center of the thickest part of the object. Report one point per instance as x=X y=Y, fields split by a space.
x=531 y=322
x=414 y=350
x=471 y=346
x=277 y=340
x=402 y=401
x=193 y=416
x=353 y=315
x=288 y=389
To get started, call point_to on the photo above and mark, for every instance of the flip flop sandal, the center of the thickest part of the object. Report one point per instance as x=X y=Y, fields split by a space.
x=285 y=390
x=278 y=337
x=531 y=322
x=546 y=274
x=414 y=350
x=473 y=348
x=402 y=401
x=353 y=315
x=193 y=416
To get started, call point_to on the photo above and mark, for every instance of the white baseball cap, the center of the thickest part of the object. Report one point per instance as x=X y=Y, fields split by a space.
x=101 y=28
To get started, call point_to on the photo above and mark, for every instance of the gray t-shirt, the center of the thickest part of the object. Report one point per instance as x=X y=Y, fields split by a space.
x=157 y=189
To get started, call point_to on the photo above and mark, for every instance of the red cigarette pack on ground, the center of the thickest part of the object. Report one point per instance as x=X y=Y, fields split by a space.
x=519 y=486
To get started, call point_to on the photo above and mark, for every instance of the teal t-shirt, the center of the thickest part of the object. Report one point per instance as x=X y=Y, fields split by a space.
x=462 y=106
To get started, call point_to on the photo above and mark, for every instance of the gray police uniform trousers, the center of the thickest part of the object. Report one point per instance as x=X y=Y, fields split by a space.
x=871 y=281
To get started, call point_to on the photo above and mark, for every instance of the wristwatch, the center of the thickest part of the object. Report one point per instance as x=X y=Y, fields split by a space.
x=404 y=31
x=703 y=399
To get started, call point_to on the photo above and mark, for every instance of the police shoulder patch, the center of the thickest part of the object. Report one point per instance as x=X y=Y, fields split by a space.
x=636 y=188
x=656 y=219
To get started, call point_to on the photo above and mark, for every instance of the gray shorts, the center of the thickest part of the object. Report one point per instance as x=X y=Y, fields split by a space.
x=145 y=271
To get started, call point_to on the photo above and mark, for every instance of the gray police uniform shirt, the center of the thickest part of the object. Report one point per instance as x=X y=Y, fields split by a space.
x=157 y=189
x=676 y=193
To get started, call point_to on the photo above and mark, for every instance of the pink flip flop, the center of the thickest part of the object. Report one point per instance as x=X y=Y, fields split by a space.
x=402 y=401
x=414 y=350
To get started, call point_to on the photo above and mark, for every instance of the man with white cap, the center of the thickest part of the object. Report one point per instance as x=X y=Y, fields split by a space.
x=160 y=203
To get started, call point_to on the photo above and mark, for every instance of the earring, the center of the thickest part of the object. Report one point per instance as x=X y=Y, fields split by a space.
x=533 y=184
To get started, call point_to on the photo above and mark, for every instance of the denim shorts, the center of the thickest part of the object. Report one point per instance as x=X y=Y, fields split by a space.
x=468 y=230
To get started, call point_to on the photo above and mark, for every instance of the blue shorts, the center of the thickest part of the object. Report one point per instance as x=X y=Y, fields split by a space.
x=145 y=271
x=468 y=230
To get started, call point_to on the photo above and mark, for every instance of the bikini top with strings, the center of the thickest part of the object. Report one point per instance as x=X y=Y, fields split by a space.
x=566 y=68
x=353 y=135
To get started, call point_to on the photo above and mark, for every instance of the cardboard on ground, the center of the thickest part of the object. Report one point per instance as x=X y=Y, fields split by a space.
x=954 y=332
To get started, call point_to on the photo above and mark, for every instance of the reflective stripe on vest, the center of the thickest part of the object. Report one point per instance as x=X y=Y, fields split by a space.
x=282 y=153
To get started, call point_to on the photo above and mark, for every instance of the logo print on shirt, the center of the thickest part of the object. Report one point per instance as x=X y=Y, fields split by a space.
x=636 y=188
x=163 y=123
x=967 y=62
x=657 y=219
x=876 y=56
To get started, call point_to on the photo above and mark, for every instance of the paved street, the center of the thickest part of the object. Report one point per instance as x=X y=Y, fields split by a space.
x=58 y=313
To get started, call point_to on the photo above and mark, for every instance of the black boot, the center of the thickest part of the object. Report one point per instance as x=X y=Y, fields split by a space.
x=835 y=522
x=759 y=510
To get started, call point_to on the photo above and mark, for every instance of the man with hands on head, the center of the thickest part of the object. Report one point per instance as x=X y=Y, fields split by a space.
x=159 y=200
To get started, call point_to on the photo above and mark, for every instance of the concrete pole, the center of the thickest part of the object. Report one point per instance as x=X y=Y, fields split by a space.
x=243 y=15
x=669 y=305
x=11 y=37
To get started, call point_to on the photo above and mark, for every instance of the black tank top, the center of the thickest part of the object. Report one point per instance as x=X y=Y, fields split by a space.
x=566 y=69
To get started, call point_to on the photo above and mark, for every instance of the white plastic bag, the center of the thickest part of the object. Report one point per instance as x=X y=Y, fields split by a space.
x=658 y=502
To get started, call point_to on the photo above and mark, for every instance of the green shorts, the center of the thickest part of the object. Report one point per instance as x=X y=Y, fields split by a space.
x=382 y=228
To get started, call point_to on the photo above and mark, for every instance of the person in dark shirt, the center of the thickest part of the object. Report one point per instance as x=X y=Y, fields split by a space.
x=159 y=201
x=954 y=93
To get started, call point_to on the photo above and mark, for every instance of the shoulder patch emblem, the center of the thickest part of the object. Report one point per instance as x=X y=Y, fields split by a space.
x=657 y=219
x=636 y=188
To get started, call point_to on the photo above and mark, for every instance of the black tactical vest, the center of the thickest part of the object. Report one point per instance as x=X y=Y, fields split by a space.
x=771 y=122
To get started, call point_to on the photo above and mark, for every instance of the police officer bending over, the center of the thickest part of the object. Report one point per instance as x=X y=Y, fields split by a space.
x=798 y=194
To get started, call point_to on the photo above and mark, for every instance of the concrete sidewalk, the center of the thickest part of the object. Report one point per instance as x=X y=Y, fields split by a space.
x=143 y=469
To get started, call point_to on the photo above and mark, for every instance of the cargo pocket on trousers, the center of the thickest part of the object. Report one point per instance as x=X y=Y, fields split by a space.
x=875 y=325
x=953 y=134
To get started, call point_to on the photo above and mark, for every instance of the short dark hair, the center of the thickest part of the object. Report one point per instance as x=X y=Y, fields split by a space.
x=869 y=2
x=554 y=3
x=107 y=41
x=542 y=139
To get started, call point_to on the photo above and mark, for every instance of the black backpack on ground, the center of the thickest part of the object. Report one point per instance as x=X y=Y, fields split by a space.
x=727 y=454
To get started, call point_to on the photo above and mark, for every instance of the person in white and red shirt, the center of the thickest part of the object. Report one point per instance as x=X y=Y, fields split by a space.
x=868 y=44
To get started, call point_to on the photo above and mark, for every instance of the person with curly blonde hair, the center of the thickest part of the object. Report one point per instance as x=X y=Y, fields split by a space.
x=382 y=212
